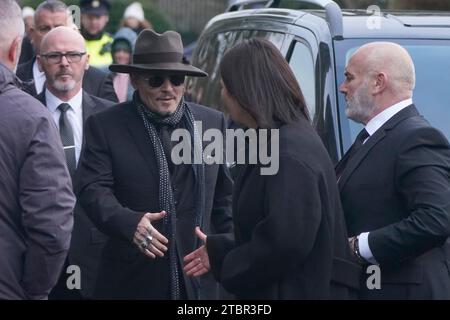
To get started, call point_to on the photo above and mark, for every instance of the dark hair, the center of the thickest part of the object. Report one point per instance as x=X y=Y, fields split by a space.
x=52 y=6
x=260 y=79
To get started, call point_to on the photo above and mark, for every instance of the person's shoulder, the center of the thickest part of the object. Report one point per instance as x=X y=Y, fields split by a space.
x=299 y=133
x=404 y=122
x=301 y=142
x=25 y=69
x=114 y=112
x=420 y=132
x=96 y=77
x=20 y=110
x=202 y=111
x=100 y=102
x=20 y=101
x=107 y=37
x=95 y=74
x=417 y=130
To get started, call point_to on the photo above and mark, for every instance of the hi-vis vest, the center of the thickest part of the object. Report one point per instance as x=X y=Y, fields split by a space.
x=100 y=51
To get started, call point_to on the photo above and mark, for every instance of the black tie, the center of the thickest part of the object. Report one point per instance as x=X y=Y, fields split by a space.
x=66 y=133
x=363 y=135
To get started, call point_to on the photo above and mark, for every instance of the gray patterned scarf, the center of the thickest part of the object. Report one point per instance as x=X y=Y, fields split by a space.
x=166 y=198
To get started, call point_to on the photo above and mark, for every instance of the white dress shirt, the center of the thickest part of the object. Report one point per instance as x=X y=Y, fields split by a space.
x=74 y=115
x=372 y=126
x=39 y=78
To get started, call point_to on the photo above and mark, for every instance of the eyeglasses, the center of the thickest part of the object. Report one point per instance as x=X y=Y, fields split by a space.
x=43 y=30
x=56 y=57
x=157 y=81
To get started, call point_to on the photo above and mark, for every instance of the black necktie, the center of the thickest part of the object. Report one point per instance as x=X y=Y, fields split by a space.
x=363 y=135
x=68 y=141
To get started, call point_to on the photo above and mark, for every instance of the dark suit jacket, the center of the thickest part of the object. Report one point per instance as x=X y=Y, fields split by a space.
x=397 y=186
x=27 y=52
x=290 y=236
x=119 y=184
x=95 y=82
x=87 y=241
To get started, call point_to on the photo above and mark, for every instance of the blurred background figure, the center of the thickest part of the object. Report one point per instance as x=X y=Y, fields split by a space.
x=49 y=15
x=27 y=52
x=134 y=18
x=94 y=18
x=122 y=49
x=28 y=18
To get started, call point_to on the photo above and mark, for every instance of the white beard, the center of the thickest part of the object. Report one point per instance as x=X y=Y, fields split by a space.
x=360 y=106
x=60 y=86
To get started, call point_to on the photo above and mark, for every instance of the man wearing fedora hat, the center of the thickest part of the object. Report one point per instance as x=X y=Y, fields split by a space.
x=136 y=194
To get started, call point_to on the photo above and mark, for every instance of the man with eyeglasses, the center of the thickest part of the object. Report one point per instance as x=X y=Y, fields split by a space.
x=137 y=194
x=63 y=60
x=49 y=15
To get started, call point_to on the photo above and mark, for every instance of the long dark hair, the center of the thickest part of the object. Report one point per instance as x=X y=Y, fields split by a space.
x=256 y=74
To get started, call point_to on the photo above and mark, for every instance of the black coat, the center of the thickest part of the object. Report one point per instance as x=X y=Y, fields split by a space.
x=27 y=52
x=397 y=186
x=290 y=236
x=87 y=241
x=119 y=183
x=95 y=82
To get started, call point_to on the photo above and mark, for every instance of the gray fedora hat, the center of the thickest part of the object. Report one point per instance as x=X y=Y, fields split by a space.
x=154 y=52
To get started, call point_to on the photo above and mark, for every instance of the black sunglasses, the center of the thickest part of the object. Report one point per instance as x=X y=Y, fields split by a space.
x=157 y=81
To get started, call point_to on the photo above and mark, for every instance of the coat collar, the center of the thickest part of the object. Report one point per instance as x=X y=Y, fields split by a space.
x=88 y=104
x=139 y=135
x=378 y=136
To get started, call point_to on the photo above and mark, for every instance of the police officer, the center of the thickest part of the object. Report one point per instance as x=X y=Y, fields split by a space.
x=94 y=17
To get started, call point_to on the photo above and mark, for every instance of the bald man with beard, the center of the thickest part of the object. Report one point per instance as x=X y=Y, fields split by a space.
x=64 y=60
x=394 y=180
x=49 y=15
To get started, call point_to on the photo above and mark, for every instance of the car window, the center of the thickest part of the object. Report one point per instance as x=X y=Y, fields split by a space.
x=431 y=94
x=207 y=56
x=302 y=64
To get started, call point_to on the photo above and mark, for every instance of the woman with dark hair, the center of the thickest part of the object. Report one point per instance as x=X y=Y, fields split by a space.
x=290 y=240
x=260 y=80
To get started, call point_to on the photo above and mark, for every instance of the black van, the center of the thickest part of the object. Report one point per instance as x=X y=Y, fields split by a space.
x=317 y=44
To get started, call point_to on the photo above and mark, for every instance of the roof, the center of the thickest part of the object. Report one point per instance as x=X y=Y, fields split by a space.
x=356 y=23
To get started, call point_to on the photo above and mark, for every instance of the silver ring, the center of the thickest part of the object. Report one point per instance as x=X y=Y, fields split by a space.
x=149 y=238
x=144 y=245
